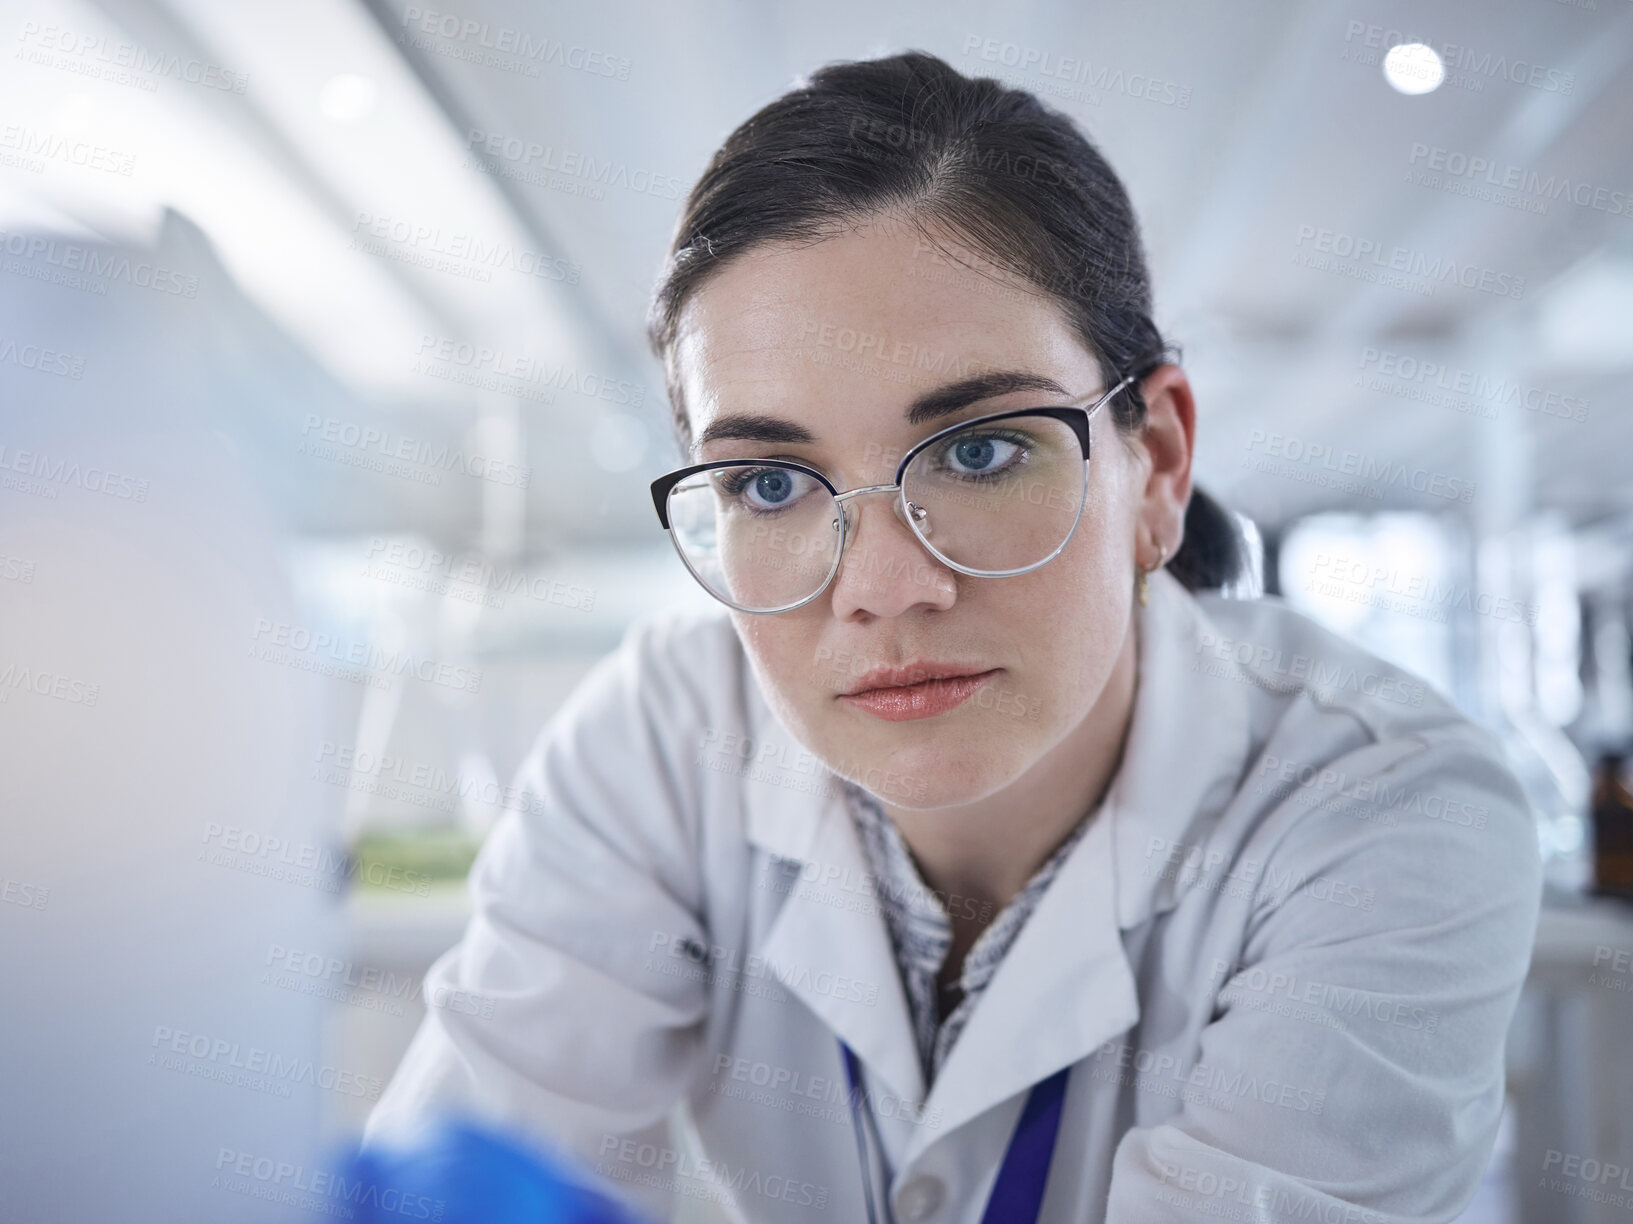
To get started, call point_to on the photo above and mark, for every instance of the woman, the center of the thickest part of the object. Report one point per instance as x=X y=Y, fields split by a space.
x=979 y=860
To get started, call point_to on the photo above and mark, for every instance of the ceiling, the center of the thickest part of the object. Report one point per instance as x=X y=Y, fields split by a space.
x=1474 y=335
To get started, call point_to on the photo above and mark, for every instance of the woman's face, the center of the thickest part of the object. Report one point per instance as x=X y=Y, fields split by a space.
x=838 y=338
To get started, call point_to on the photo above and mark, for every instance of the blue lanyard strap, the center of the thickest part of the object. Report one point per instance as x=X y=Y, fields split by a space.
x=1017 y=1195
x=1018 y=1192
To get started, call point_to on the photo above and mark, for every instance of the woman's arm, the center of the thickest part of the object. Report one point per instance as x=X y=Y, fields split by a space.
x=1353 y=1070
x=545 y=1016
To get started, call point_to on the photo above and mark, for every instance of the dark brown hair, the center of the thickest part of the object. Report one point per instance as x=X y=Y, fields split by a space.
x=1014 y=180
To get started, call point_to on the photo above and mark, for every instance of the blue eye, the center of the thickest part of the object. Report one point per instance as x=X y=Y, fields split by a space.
x=976 y=454
x=773 y=487
x=767 y=489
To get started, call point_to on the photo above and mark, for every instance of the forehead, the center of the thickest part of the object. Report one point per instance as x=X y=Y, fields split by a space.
x=873 y=314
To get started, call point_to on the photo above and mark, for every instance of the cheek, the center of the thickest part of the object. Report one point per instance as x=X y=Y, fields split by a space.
x=783 y=653
x=1076 y=592
x=1064 y=624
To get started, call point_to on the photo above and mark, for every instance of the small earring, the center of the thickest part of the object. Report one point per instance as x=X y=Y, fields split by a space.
x=1144 y=588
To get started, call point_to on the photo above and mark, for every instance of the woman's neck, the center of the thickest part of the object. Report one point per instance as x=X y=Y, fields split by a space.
x=986 y=851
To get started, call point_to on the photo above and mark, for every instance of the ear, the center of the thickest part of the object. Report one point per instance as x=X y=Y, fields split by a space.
x=1167 y=437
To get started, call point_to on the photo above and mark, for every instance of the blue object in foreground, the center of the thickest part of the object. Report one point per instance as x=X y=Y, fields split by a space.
x=462 y=1173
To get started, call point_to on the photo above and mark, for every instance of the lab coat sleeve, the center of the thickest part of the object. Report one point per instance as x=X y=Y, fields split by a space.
x=554 y=1015
x=1352 y=1069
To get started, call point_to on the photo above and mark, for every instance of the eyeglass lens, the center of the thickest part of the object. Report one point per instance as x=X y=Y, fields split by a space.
x=995 y=498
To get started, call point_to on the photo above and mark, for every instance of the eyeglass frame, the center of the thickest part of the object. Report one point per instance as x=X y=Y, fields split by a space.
x=1076 y=415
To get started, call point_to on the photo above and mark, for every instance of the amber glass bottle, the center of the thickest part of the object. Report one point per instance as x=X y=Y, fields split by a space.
x=1612 y=826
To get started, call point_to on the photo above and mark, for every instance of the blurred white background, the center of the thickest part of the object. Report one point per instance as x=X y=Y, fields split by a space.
x=326 y=421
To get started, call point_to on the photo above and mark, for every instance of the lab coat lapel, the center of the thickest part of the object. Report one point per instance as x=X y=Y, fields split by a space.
x=830 y=947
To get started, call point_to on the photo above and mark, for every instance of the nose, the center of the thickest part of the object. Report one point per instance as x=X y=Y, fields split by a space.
x=885 y=569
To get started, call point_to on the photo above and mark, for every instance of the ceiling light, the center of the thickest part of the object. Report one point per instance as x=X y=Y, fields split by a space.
x=1414 y=68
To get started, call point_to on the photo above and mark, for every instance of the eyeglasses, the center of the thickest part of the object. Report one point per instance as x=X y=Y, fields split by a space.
x=991 y=497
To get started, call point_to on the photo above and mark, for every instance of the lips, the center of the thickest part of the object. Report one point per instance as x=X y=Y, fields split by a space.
x=919 y=690
x=911 y=674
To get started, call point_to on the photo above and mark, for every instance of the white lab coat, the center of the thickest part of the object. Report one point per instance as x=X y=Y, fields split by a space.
x=1281 y=963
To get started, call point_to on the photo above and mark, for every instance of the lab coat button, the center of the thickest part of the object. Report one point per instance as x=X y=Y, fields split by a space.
x=920 y=1198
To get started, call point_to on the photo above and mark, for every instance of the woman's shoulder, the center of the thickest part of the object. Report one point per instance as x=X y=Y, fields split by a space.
x=1348 y=742
x=1299 y=667
x=674 y=678
x=683 y=662
x=695 y=641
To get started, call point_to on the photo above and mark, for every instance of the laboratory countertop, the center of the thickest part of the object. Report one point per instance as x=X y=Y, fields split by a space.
x=1574 y=932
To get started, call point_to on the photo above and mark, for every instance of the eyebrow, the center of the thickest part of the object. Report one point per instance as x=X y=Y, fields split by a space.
x=932 y=405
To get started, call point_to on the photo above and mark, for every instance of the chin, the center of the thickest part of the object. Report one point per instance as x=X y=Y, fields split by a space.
x=942 y=768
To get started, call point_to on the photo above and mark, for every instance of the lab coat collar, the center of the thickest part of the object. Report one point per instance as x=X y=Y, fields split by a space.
x=1065 y=986
x=829 y=945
